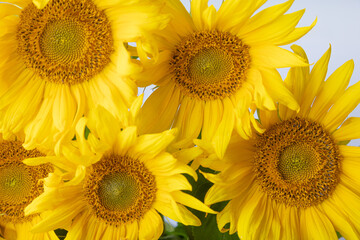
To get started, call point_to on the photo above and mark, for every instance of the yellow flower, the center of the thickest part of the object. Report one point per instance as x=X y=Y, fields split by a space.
x=64 y=59
x=19 y=185
x=215 y=65
x=296 y=180
x=120 y=183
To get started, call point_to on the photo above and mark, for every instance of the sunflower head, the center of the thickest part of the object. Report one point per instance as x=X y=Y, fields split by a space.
x=117 y=182
x=19 y=186
x=215 y=67
x=295 y=172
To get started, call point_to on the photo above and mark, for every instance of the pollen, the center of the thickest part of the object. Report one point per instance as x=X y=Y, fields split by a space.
x=210 y=65
x=19 y=184
x=119 y=189
x=66 y=42
x=297 y=162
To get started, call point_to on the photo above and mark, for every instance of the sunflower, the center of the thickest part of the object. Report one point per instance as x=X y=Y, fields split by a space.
x=120 y=182
x=296 y=180
x=214 y=65
x=19 y=185
x=61 y=58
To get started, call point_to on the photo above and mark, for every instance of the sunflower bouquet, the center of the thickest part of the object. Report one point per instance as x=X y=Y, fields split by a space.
x=223 y=148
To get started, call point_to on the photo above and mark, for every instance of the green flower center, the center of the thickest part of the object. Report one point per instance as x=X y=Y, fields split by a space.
x=210 y=66
x=15 y=183
x=298 y=162
x=118 y=191
x=63 y=41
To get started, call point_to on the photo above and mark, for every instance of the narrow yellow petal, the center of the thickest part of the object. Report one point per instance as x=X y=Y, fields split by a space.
x=262 y=98
x=239 y=10
x=342 y=107
x=196 y=10
x=40 y=4
x=191 y=201
x=213 y=110
x=150 y=145
x=268 y=56
x=173 y=183
x=316 y=225
x=7 y=9
x=275 y=30
x=349 y=151
x=277 y=90
x=340 y=220
x=190 y=123
x=317 y=77
x=124 y=140
x=150 y=226
x=331 y=90
x=295 y=35
x=167 y=206
x=225 y=129
x=209 y=17
x=100 y=117
x=266 y=16
x=158 y=111
x=59 y=218
x=64 y=108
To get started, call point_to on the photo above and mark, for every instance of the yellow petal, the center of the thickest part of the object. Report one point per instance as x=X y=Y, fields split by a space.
x=294 y=35
x=316 y=225
x=348 y=130
x=103 y=124
x=151 y=226
x=40 y=4
x=167 y=206
x=213 y=110
x=125 y=139
x=189 y=121
x=209 y=16
x=317 y=77
x=173 y=183
x=340 y=220
x=331 y=90
x=192 y=202
x=7 y=9
x=159 y=110
x=150 y=145
x=268 y=56
x=239 y=10
x=275 y=30
x=262 y=98
x=342 y=107
x=64 y=108
x=197 y=9
x=225 y=129
x=266 y=16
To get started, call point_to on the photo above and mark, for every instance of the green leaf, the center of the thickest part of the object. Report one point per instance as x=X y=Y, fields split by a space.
x=208 y=230
x=61 y=233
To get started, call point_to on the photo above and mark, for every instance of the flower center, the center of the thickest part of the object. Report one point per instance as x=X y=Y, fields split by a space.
x=120 y=189
x=297 y=163
x=67 y=42
x=63 y=41
x=210 y=65
x=19 y=184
